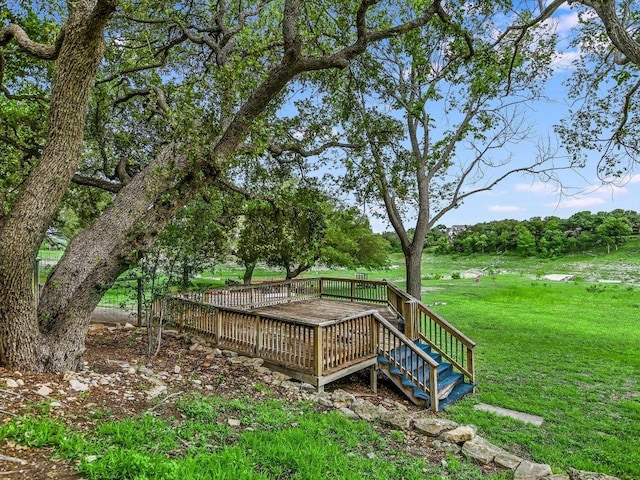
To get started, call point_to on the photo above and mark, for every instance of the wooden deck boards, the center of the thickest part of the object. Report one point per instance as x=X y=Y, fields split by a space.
x=316 y=311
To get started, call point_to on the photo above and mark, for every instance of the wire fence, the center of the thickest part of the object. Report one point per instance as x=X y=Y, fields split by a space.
x=122 y=303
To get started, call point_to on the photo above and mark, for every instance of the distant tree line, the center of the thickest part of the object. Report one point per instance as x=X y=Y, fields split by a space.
x=544 y=237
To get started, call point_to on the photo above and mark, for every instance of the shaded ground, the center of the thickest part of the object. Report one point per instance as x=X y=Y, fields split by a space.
x=120 y=381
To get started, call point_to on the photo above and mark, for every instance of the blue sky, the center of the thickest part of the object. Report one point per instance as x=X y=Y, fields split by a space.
x=523 y=197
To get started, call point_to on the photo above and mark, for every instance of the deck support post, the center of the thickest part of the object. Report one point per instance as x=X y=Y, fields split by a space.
x=375 y=340
x=433 y=389
x=373 y=377
x=353 y=290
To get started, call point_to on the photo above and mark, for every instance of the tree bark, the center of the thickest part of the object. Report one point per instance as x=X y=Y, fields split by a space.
x=413 y=264
x=21 y=340
x=248 y=272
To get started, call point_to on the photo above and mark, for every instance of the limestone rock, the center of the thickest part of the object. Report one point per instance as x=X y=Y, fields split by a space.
x=254 y=362
x=480 y=450
x=324 y=399
x=581 y=475
x=78 y=386
x=156 y=391
x=557 y=477
x=280 y=377
x=10 y=383
x=463 y=433
x=507 y=460
x=531 y=471
x=342 y=399
x=237 y=360
x=347 y=412
x=233 y=422
x=397 y=419
x=44 y=391
x=433 y=427
x=367 y=411
x=229 y=353
x=441 y=446
x=290 y=385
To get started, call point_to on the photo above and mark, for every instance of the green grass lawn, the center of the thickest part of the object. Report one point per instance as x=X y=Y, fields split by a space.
x=275 y=440
x=567 y=351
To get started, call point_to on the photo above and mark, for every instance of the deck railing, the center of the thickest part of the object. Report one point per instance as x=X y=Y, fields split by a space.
x=402 y=353
x=319 y=349
x=354 y=290
x=314 y=352
x=420 y=322
x=261 y=295
x=424 y=324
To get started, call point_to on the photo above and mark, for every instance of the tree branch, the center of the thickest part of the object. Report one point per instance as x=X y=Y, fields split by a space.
x=25 y=44
x=97 y=183
x=618 y=34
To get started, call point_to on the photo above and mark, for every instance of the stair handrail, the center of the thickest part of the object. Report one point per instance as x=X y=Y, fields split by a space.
x=416 y=326
x=432 y=389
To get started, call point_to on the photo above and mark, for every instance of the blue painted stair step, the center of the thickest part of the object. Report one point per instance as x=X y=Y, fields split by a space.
x=448 y=380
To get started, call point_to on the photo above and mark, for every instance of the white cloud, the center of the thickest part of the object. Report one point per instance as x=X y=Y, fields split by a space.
x=536 y=187
x=583 y=202
x=505 y=208
x=565 y=60
x=567 y=23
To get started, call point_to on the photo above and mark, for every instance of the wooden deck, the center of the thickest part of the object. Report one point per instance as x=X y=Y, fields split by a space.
x=321 y=329
x=316 y=311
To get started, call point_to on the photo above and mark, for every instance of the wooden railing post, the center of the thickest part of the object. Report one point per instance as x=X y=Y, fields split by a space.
x=433 y=389
x=353 y=290
x=321 y=287
x=409 y=320
x=317 y=350
x=258 y=347
x=218 y=325
x=470 y=365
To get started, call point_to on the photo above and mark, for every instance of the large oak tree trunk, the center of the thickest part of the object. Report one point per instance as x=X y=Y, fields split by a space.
x=23 y=344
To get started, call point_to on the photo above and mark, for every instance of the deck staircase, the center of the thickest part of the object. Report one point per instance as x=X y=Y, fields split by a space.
x=451 y=384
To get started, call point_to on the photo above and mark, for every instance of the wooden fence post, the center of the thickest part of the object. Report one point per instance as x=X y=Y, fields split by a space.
x=353 y=290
